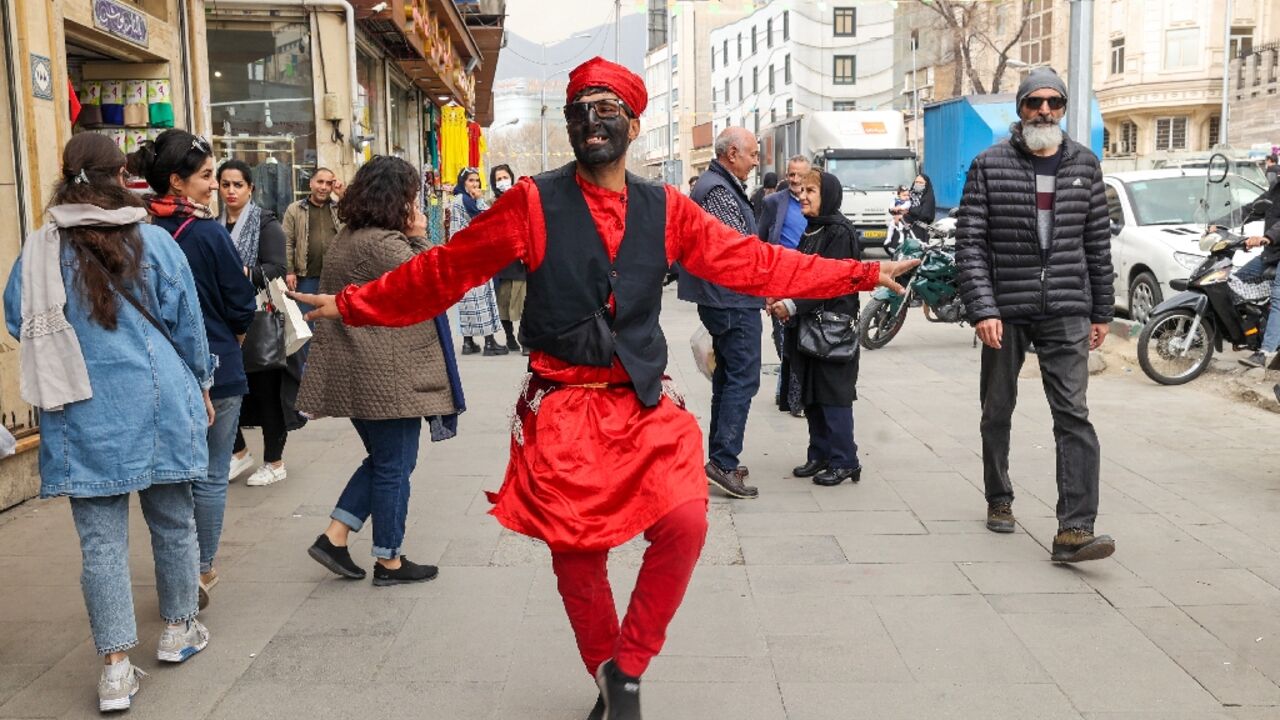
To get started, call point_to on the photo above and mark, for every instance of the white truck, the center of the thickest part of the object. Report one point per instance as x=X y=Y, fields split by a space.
x=866 y=149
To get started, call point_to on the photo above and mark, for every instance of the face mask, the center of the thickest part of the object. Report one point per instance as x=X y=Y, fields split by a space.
x=503 y=185
x=918 y=187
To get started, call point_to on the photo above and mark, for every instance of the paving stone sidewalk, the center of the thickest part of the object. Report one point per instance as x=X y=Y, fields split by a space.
x=883 y=600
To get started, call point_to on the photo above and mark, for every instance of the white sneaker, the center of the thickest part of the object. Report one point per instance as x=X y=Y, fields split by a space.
x=181 y=642
x=268 y=474
x=240 y=465
x=117 y=686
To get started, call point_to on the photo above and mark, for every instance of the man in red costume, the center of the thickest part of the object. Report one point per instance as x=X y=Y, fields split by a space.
x=602 y=448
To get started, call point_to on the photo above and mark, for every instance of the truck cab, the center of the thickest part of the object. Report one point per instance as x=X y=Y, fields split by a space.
x=869 y=179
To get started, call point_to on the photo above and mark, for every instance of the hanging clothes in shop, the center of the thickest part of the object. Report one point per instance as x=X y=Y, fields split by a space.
x=473 y=144
x=273 y=186
x=454 y=145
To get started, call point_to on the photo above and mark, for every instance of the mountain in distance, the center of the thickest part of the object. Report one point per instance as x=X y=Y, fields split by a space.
x=520 y=58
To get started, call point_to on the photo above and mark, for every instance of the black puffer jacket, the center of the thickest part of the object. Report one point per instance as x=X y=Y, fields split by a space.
x=1003 y=272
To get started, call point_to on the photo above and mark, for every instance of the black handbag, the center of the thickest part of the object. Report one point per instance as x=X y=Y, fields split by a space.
x=263 y=346
x=828 y=336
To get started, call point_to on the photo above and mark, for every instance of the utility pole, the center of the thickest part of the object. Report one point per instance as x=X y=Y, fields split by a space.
x=617 y=31
x=671 y=139
x=1080 y=65
x=1226 y=73
x=917 y=122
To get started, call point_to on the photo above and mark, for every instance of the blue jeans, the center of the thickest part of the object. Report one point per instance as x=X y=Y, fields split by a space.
x=735 y=338
x=831 y=436
x=380 y=486
x=1252 y=272
x=103 y=526
x=211 y=492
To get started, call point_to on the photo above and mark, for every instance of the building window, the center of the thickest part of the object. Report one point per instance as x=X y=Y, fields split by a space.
x=1117 y=56
x=773 y=115
x=1241 y=42
x=1106 y=141
x=844 y=105
x=675 y=96
x=786 y=70
x=845 y=22
x=915 y=37
x=713 y=58
x=1171 y=133
x=755 y=80
x=768 y=33
x=1128 y=138
x=1037 y=43
x=724 y=54
x=715 y=94
x=770 y=79
x=756 y=120
x=844 y=69
x=726 y=92
x=739 y=46
x=742 y=94
x=675 y=62
x=1215 y=129
x=786 y=24
x=790 y=107
x=1181 y=48
x=754 y=41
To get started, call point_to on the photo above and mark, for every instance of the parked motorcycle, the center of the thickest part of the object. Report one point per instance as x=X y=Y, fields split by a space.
x=932 y=284
x=1179 y=340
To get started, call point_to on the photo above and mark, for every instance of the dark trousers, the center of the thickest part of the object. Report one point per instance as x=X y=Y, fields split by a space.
x=263 y=401
x=1062 y=346
x=379 y=488
x=831 y=436
x=735 y=338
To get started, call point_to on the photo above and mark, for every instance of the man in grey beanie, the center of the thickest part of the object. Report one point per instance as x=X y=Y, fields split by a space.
x=1033 y=246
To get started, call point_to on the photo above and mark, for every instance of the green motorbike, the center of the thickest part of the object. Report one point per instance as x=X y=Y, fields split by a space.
x=933 y=285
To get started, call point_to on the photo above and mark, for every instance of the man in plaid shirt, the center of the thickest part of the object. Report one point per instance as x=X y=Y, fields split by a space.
x=732 y=319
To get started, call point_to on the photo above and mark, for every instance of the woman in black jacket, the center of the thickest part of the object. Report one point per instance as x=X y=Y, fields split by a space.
x=826 y=390
x=923 y=206
x=259 y=241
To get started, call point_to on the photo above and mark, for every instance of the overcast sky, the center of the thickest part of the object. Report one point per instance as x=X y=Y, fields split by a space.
x=553 y=20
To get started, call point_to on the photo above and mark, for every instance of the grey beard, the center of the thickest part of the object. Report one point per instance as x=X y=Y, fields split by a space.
x=1041 y=137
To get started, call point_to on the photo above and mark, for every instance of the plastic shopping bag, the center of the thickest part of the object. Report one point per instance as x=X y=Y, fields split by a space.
x=8 y=445
x=296 y=330
x=704 y=356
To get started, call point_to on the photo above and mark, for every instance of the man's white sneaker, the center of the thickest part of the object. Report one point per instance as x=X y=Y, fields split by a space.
x=267 y=475
x=181 y=642
x=240 y=465
x=117 y=686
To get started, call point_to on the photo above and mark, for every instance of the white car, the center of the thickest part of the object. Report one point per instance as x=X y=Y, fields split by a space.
x=1157 y=218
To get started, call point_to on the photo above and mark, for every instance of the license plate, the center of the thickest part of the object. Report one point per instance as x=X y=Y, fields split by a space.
x=875 y=234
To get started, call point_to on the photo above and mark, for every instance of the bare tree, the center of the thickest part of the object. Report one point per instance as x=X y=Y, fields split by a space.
x=972 y=26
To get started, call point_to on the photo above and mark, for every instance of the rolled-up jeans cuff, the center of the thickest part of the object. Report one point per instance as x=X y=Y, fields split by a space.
x=118 y=648
x=347 y=519
x=385 y=554
x=182 y=620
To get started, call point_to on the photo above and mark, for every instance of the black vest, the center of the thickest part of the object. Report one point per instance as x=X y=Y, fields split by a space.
x=566 y=312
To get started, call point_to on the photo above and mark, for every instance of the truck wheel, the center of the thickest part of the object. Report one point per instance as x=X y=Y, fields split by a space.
x=878 y=323
x=1169 y=353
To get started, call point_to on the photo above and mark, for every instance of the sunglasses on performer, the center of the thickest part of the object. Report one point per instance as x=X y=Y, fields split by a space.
x=1034 y=103
x=606 y=109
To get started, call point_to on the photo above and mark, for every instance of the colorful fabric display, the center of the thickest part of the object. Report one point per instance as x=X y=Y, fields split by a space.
x=117 y=136
x=135 y=103
x=73 y=102
x=160 y=103
x=133 y=140
x=113 y=102
x=91 y=104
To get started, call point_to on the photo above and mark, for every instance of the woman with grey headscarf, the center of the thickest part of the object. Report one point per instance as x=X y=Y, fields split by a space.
x=259 y=241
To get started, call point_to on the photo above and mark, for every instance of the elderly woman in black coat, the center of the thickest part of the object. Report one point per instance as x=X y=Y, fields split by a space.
x=825 y=389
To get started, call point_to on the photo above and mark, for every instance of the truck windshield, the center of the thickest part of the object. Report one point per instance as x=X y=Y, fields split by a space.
x=872 y=173
x=1181 y=200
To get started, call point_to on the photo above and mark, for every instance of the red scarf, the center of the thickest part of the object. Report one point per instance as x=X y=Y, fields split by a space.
x=175 y=206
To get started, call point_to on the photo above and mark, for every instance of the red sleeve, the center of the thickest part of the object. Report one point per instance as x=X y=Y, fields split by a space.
x=433 y=281
x=715 y=252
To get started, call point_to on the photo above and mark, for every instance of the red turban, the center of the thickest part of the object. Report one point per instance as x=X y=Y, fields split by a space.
x=598 y=72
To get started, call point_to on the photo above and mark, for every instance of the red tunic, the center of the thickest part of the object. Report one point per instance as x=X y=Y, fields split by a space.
x=596 y=467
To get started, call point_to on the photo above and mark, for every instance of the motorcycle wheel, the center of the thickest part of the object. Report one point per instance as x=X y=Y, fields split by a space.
x=878 y=323
x=1160 y=353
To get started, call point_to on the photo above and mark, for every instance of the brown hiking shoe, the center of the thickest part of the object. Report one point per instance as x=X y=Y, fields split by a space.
x=1076 y=545
x=1000 y=517
x=731 y=482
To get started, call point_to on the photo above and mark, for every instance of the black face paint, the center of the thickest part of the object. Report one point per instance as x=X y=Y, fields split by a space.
x=613 y=130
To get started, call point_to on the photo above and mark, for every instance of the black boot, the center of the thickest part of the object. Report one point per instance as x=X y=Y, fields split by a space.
x=621 y=693
x=512 y=344
x=524 y=350
x=810 y=468
x=834 y=476
x=597 y=712
x=491 y=347
x=469 y=346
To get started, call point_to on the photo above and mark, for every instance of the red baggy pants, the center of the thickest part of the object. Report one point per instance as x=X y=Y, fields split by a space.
x=675 y=542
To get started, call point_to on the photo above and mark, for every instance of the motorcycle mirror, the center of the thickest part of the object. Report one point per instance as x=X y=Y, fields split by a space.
x=1219 y=167
x=1209 y=241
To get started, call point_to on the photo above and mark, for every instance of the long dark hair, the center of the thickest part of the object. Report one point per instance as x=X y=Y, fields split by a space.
x=91 y=165
x=381 y=195
x=175 y=152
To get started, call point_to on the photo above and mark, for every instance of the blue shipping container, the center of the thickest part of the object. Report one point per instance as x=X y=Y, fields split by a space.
x=956 y=130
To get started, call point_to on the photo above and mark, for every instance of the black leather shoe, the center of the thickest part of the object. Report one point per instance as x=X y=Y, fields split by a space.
x=469 y=346
x=491 y=347
x=731 y=482
x=621 y=693
x=336 y=559
x=809 y=469
x=597 y=712
x=834 y=476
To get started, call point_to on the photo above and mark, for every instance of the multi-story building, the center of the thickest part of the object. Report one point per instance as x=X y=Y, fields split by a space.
x=790 y=58
x=1158 y=72
x=676 y=70
x=1254 y=99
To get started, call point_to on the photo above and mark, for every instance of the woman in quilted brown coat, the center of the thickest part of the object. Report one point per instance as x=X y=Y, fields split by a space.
x=386 y=380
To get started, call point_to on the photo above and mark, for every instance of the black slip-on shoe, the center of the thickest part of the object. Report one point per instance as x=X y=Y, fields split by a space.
x=597 y=712
x=336 y=559
x=408 y=572
x=620 y=692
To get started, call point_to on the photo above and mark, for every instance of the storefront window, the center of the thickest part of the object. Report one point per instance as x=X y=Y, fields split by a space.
x=263 y=105
x=404 y=124
x=369 y=104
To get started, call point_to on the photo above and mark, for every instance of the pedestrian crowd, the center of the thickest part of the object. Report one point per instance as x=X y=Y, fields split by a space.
x=151 y=333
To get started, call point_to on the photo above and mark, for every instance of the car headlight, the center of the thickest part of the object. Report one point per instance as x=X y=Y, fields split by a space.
x=1190 y=261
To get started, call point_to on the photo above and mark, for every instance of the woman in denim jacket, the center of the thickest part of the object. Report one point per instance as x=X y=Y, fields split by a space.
x=124 y=402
